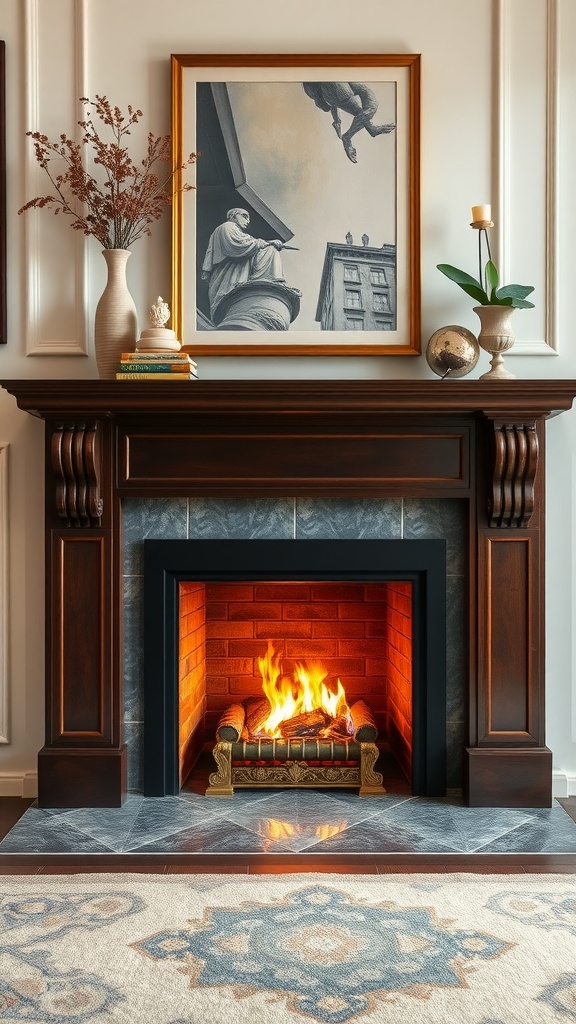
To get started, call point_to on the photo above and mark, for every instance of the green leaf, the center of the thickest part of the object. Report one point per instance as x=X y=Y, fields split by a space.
x=468 y=284
x=476 y=292
x=514 y=291
x=458 y=276
x=522 y=304
x=492 y=279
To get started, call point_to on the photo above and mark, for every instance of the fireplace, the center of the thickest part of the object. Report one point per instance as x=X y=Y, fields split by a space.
x=276 y=440
x=374 y=611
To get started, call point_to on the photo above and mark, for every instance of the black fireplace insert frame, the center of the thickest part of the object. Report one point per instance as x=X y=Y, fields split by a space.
x=167 y=563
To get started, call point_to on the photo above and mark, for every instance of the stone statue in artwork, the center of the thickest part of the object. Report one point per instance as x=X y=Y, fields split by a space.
x=234 y=258
x=354 y=98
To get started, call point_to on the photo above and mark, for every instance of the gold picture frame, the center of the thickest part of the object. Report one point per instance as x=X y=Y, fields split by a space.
x=302 y=233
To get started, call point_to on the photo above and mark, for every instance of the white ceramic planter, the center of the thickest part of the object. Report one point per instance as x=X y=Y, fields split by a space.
x=115 y=323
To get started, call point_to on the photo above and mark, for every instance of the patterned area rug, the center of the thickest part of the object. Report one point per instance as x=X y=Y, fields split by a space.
x=129 y=949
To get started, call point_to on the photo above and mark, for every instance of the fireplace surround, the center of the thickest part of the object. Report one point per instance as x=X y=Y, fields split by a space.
x=482 y=442
x=344 y=609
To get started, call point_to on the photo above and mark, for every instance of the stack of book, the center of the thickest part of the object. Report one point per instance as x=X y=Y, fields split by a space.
x=156 y=365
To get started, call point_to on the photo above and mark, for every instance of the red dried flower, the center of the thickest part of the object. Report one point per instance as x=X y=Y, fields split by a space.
x=120 y=208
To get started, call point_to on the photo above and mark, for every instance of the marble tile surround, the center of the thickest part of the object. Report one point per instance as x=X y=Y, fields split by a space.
x=286 y=519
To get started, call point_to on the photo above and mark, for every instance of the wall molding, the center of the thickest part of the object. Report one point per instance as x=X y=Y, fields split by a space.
x=552 y=172
x=549 y=345
x=4 y=600
x=563 y=784
x=23 y=784
x=34 y=343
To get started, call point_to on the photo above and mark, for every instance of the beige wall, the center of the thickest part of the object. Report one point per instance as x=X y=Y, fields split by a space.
x=498 y=104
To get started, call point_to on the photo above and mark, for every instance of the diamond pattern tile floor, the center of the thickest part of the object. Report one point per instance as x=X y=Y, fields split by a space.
x=293 y=821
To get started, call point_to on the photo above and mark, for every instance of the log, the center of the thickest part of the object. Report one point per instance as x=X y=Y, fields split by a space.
x=365 y=728
x=337 y=729
x=257 y=711
x=309 y=724
x=231 y=724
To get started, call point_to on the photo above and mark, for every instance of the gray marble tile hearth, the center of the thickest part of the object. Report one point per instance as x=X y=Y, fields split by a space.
x=292 y=821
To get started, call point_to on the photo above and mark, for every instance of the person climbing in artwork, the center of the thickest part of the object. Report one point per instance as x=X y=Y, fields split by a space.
x=354 y=98
x=234 y=257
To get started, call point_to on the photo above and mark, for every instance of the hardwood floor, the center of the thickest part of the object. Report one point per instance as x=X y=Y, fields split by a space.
x=11 y=809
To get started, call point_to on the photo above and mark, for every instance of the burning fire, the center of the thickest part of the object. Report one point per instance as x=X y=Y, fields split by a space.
x=303 y=694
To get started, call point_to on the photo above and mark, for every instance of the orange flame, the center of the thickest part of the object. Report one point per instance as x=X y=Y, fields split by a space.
x=305 y=692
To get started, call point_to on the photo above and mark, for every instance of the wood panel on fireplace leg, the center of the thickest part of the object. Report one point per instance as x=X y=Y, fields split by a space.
x=83 y=762
x=509 y=764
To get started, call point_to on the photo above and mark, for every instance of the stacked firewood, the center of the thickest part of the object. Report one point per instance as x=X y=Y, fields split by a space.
x=245 y=722
x=310 y=723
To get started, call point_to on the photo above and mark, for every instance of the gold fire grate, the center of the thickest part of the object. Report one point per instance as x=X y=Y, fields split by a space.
x=298 y=762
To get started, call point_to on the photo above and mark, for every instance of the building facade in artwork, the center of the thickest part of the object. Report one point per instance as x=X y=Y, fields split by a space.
x=358 y=287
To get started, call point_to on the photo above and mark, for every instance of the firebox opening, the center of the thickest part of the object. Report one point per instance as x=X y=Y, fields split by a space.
x=246 y=644
x=368 y=616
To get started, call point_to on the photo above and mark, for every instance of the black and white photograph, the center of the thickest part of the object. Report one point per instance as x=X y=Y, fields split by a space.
x=301 y=232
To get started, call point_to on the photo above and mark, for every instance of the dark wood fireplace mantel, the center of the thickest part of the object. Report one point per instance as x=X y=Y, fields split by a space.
x=483 y=442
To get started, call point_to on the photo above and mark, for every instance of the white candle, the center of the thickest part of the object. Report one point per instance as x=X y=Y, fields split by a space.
x=482 y=212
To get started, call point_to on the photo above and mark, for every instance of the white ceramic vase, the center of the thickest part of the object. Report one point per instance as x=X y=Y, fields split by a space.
x=115 y=323
x=496 y=336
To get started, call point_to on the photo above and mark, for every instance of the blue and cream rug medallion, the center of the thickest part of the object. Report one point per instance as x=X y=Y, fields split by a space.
x=330 y=956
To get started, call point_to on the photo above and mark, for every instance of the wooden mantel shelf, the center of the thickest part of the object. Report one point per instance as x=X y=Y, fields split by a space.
x=98 y=397
x=481 y=442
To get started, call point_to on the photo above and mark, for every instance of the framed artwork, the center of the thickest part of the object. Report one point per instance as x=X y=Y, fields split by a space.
x=3 y=268
x=301 y=235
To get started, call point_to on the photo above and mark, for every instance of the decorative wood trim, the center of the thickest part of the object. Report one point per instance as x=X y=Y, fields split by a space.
x=35 y=345
x=515 y=465
x=80 y=712
x=76 y=461
x=508 y=777
x=549 y=345
x=511 y=709
x=4 y=600
x=302 y=463
x=262 y=402
x=82 y=777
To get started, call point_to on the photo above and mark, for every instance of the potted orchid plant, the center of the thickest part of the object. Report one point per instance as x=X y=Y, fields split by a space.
x=496 y=302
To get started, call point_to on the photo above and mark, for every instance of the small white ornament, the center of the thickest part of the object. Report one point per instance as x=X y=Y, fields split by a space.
x=158 y=336
x=159 y=313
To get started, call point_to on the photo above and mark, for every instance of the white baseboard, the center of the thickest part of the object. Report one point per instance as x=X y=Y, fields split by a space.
x=563 y=784
x=25 y=785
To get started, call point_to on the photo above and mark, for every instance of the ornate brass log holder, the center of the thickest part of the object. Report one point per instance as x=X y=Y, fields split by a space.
x=300 y=762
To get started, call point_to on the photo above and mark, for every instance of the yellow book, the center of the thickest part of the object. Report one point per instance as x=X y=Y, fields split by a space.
x=156 y=376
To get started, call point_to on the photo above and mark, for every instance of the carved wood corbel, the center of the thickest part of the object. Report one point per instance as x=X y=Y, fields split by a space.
x=511 y=502
x=76 y=462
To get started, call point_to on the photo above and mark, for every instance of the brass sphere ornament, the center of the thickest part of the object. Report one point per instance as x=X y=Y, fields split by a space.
x=452 y=351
